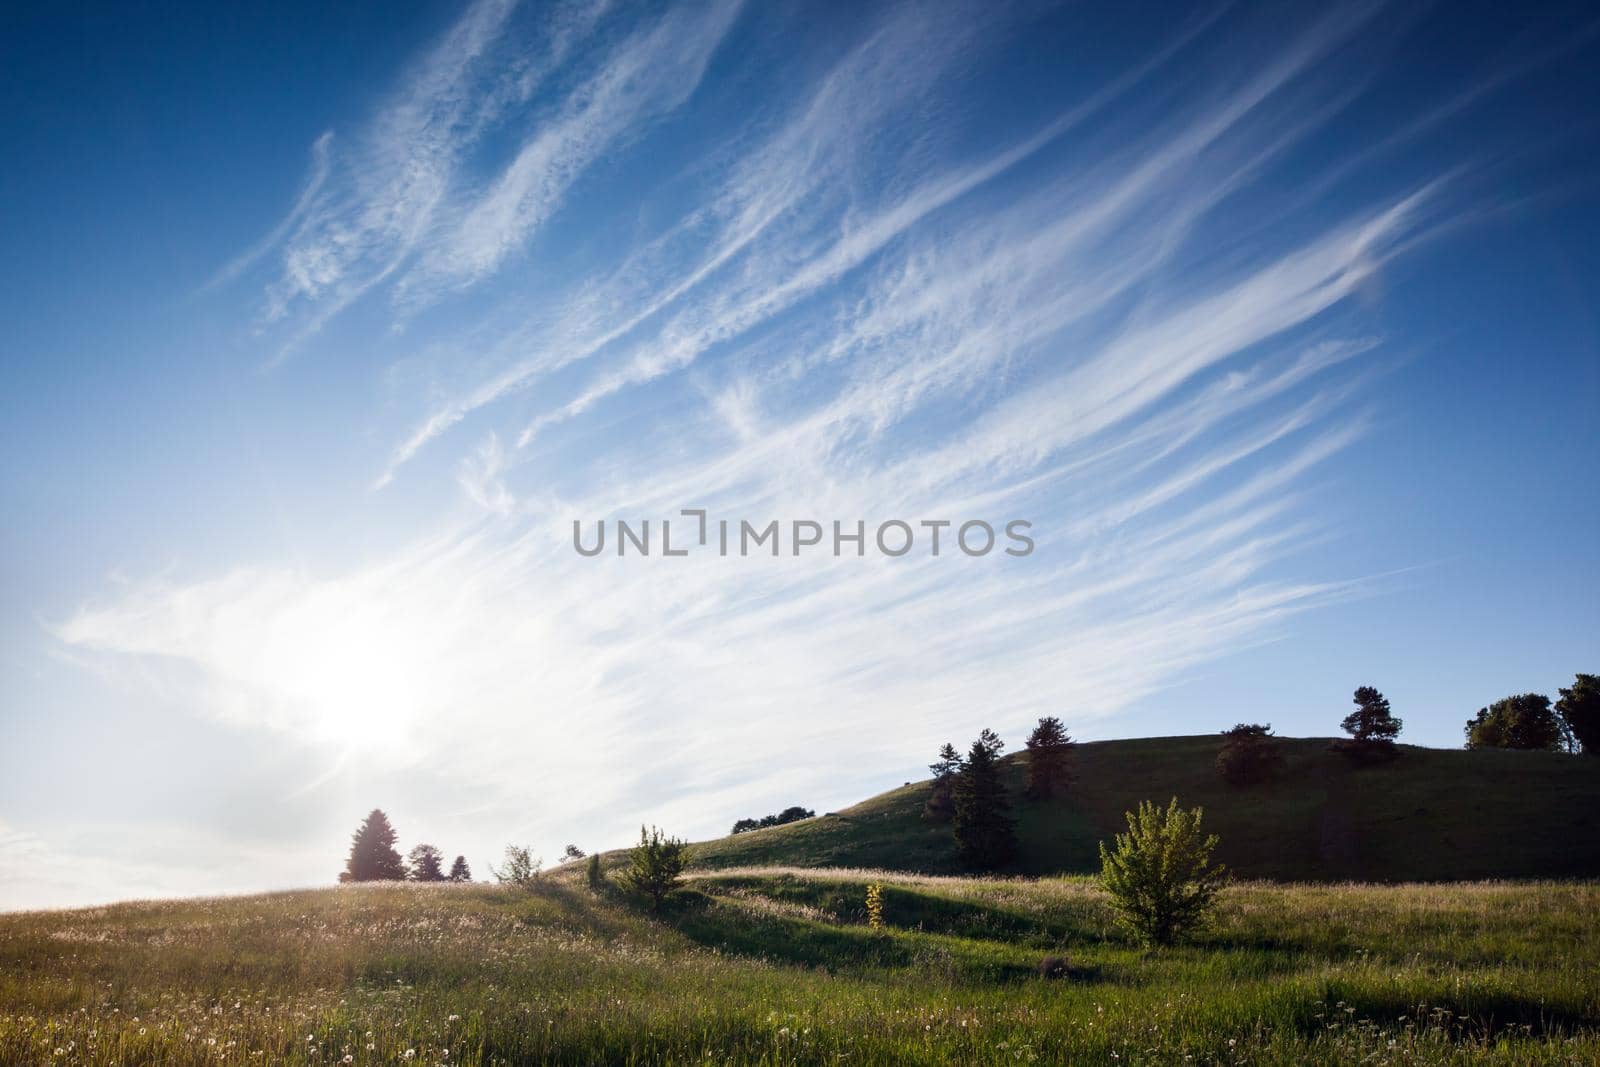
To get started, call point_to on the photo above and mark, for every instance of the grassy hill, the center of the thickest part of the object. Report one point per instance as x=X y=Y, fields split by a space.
x=1432 y=814
x=779 y=967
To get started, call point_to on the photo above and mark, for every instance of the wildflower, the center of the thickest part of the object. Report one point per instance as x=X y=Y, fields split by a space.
x=349 y=1058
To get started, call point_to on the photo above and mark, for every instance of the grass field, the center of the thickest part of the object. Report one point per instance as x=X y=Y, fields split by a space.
x=1430 y=815
x=778 y=966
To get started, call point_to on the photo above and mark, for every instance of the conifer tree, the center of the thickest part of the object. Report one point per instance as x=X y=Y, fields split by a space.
x=1049 y=753
x=372 y=853
x=985 y=833
x=426 y=864
x=459 y=871
x=941 y=803
x=1372 y=721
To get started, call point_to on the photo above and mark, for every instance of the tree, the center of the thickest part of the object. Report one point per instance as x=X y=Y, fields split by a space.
x=459 y=871
x=941 y=803
x=1579 y=708
x=1524 y=721
x=372 y=853
x=572 y=852
x=986 y=835
x=593 y=875
x=1249 y=754
x=1371 y=722
x=1160 y=875
x=521 y=867
x=426 y=863
x=1049 y=752
x=655 y=865
x=787 y=815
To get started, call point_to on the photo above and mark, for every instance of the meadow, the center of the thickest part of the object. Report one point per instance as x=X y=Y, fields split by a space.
x=779 y=966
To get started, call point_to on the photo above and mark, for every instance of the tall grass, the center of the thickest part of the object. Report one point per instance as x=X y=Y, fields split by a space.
x=779 y=966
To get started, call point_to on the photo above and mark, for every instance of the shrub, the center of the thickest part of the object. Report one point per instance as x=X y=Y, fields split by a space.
x=1160 y=875
x=593 y=874
x=875 y=906
x=1249 y=754
x=521 y=867
x=1055 y=967
x=656 y=864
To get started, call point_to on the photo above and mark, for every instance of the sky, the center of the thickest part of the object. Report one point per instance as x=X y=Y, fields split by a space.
x=324 y=323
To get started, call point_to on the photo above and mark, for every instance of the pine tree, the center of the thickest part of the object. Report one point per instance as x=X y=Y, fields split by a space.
x=1049 y=753
x=985 y=833
x=1371 y=721
x=1249 y=754
x=459 y=871
x=655 y=864
x=372 y=854
x=426 y=864
x=594 y=875
x=941 y=803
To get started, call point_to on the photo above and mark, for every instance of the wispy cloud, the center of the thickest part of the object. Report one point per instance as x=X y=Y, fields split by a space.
x=884 y=283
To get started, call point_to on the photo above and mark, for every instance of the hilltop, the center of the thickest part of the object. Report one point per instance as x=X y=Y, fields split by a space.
x=1430 y=815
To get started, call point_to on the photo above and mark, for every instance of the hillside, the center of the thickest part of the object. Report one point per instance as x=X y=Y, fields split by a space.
x=780 y=967
x=1432 y=814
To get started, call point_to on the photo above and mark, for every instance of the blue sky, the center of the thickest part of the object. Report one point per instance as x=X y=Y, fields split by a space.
x=323 y=326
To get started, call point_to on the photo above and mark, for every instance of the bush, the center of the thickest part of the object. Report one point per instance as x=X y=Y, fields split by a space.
x=656 y=865
x=521 y=867
x=1249 y=754
x=593 y=874
x=1160 y=875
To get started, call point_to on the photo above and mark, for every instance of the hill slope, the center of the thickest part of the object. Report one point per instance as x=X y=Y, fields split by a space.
x=1432 y=814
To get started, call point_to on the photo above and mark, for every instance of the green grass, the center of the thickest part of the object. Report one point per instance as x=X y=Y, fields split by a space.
x=777 y=966
x=1430 y=815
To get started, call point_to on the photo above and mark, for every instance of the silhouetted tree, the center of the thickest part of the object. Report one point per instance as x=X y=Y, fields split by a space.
x=459 y=871
x=1160 y=875
x=593 y=875
x=1249 y=754
x=787 y=815
x=372 y=853
x=426 y=864
x=572 y=852
x=941 y=803
x=985 y=833
x=655 y=865
x=1524 y=721
x=1579 y=708
x=1049 y=755
x=521 y=867
x=1372 y=721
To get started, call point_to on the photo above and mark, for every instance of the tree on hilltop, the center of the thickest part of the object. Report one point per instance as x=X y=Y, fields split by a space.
x=1579 y=708
x=1049 y=755
x=372 y=853
x=1372 y=721
x=1249 y=754
x=1524 y=721
x=941 y=803
x=426 y=864
x=986 y=835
